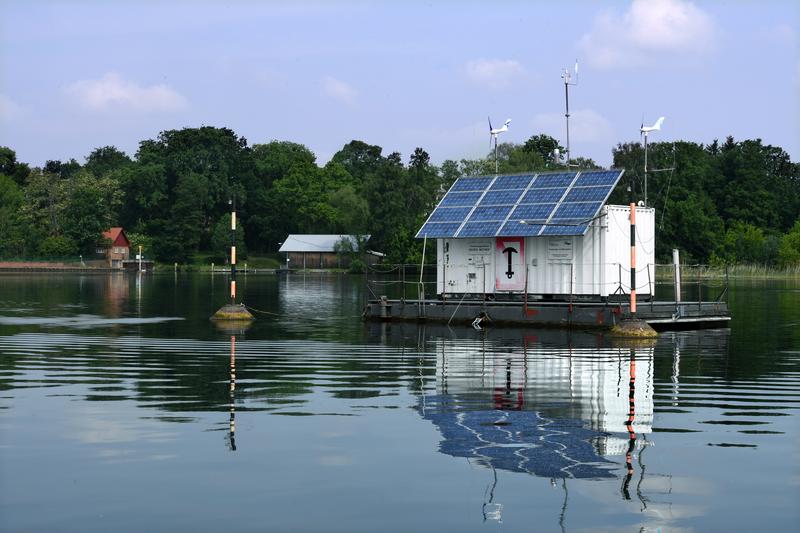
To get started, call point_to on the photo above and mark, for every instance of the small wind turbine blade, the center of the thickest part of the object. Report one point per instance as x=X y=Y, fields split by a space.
x=490 y=123
x=576 y=67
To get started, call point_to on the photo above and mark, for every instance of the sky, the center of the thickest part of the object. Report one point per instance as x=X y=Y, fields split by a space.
x=78 y=75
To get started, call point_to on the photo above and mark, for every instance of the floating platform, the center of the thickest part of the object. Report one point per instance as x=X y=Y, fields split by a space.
x=661 y=315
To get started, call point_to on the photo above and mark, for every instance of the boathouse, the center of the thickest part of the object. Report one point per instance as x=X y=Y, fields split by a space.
x=546 y=236
x=320 y=251
x=114 y=247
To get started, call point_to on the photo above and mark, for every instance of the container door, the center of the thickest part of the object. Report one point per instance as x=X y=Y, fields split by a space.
x=560 y=257
x=509 y=264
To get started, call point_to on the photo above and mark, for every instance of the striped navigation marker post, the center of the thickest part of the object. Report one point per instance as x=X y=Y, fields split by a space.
x=233 y=251
x=632 y=326
x=233 y=311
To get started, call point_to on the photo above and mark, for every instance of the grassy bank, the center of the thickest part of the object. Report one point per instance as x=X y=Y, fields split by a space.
x=706 y=272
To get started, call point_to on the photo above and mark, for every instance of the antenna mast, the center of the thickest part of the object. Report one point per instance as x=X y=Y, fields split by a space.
x=566 y=75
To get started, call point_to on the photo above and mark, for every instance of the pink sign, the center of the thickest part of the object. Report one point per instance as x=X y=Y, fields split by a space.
x=509 y=263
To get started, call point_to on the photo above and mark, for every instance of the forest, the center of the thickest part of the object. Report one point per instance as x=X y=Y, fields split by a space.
x=735 y=202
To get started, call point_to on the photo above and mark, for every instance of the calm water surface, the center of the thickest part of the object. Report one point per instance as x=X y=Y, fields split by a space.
x=123 y=409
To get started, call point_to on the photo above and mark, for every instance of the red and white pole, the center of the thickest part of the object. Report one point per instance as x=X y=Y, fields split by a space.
x=633 y=259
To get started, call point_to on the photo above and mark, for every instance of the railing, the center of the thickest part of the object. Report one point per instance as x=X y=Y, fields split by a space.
x=698 y=283
x=400 y=281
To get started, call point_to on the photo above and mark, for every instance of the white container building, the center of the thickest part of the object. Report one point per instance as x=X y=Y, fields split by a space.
x=574 y=247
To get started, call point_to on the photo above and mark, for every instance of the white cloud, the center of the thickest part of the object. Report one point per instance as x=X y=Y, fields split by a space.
x=648 y=28
x=8 y=108
x=112 y=91
x=493 y=73
x=339 y=90
x=585 y=126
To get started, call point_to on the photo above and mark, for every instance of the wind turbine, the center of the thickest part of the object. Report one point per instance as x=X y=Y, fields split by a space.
x=644 y=131
x=566 y=75
x=493 y=133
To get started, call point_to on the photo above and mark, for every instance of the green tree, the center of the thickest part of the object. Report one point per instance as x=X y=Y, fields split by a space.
x=351 y=210
x=543 y=145
x=744 y=243
x=57 y=247
x=11 y=167
x=62 y=170
x=91 y=208
x=12 y=230
x=360 y=160
x=182 y=231
x=789 y=251
x=274 y=160
x=106 y=159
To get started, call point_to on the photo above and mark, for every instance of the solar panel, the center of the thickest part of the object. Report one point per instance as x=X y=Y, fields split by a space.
x=579 y=229
x=513 y=227
x=461 y=198
x=439 y=229
x=586 y=194
x=537 y=196
x=552 y=203
x=538 y=212
x=598 y=177
x=511 y=182
x=561 y=179
x=490 y=213
x=471 y=184
x=480 y=229
x=449 y=214
x=576 y=211
x=508 y=197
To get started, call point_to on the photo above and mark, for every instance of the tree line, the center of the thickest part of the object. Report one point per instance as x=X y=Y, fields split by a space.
x=734 y=202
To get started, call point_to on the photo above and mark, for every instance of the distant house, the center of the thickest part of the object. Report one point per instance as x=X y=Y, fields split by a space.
x=319 y=251
x=115 y=247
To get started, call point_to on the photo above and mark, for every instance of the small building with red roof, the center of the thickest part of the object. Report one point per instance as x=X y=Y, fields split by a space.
x=114 y=247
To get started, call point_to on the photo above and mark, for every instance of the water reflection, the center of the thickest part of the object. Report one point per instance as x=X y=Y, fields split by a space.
x=232 y=423
x=535 y=404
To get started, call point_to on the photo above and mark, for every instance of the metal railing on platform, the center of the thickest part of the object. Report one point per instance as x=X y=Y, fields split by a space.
x=685 y=285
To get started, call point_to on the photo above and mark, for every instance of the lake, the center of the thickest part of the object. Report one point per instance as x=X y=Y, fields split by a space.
x=122 y=408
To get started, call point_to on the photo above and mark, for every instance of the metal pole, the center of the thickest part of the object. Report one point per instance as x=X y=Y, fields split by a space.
x=633 y=251
x=422 y=263
x=645 y=170
x=495 y=156
x=566 y=99
x=676 y=261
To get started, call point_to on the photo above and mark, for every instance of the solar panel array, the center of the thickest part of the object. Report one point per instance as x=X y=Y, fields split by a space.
x=554 y=203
